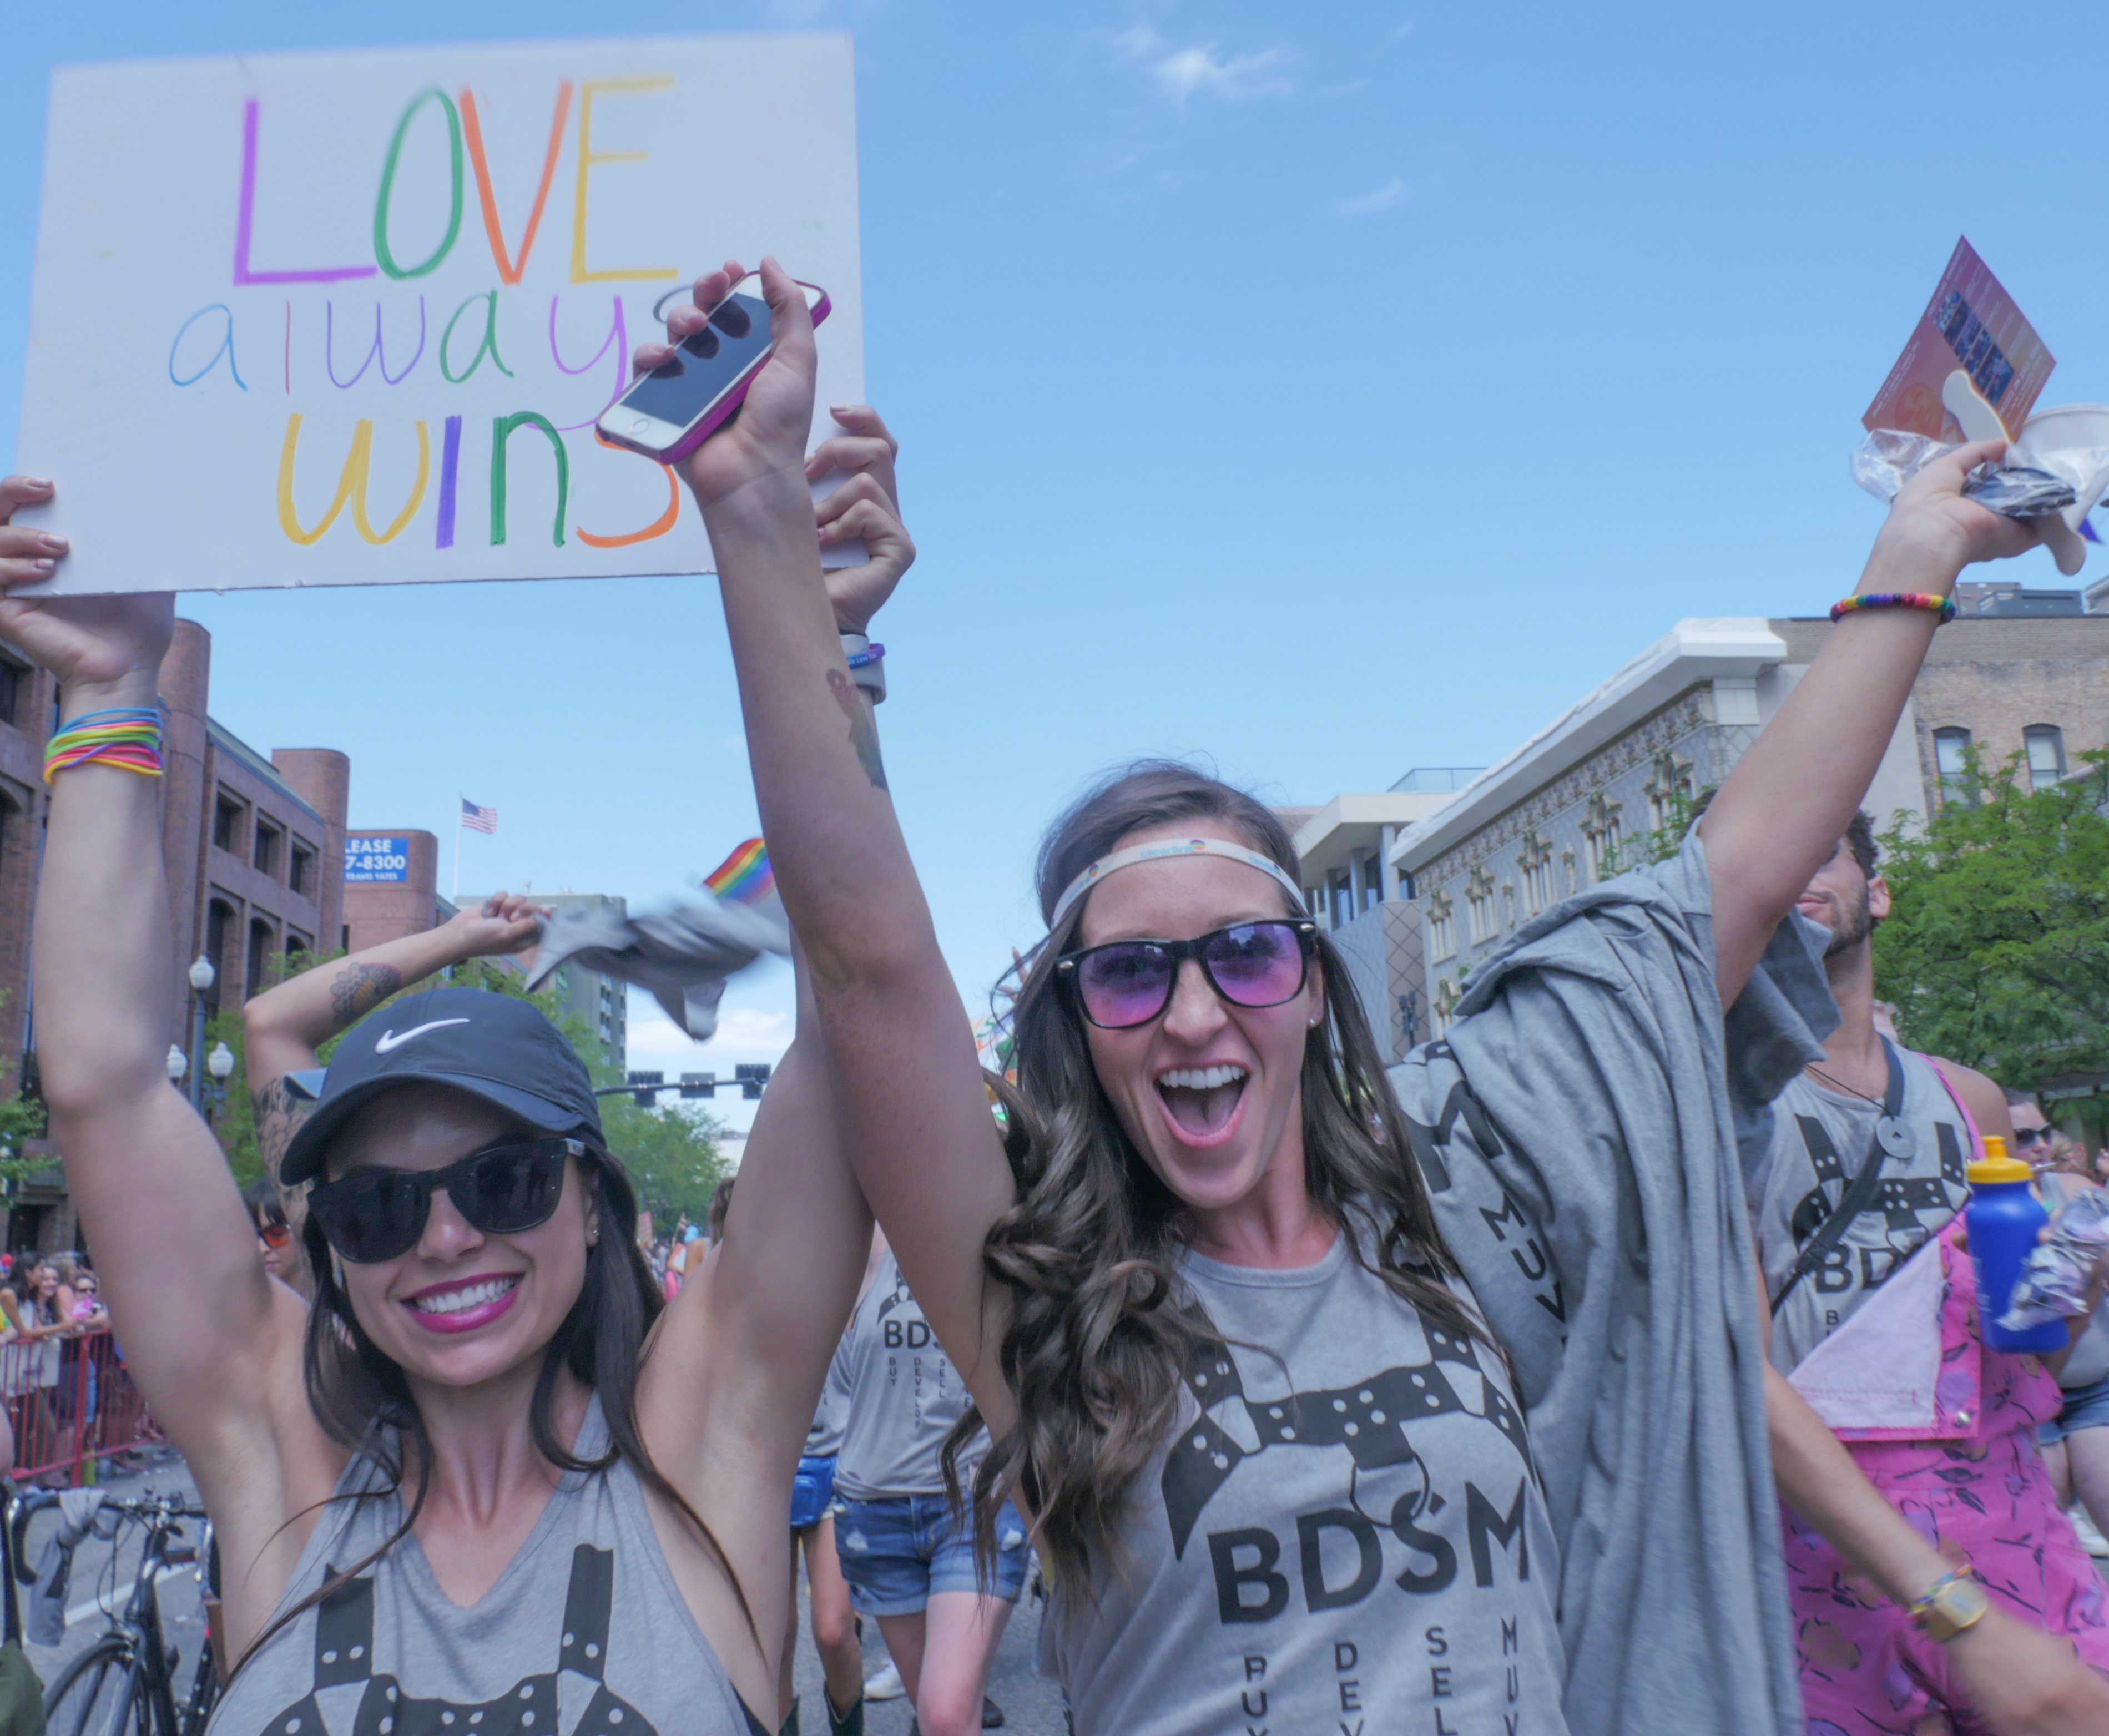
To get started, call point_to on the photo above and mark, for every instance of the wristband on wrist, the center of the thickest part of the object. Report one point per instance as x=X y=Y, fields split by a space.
x=1943 y=607
x=867 y=661
x=1951 y=1605
x=127 y=736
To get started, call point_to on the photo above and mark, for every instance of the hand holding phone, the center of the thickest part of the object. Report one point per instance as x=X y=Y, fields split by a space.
x=670 y=410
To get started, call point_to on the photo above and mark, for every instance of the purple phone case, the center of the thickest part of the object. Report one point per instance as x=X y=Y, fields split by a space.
x=721 y=412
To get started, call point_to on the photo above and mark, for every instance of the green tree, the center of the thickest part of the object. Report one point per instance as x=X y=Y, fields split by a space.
x=21 y=1118
x=672 y=1153
x=1996 y=951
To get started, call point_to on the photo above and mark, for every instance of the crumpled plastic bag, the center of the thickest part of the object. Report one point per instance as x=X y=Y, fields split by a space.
x=1889 y=457
x=2053 y=1284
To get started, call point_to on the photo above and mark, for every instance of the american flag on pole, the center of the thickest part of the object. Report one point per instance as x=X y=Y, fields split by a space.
x=478 y=819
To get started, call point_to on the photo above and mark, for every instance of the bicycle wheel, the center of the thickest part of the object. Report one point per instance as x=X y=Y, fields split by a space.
x=98 y=1694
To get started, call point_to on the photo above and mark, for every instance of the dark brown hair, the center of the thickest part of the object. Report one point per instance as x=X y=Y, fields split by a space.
x=1103 y=1328
x=1859 y=832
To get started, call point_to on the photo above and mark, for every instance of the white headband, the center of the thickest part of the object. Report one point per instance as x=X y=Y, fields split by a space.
x=1134 y=853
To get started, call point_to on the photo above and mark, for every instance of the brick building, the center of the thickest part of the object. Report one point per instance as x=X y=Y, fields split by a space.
x=391 y=888
x=253 y=848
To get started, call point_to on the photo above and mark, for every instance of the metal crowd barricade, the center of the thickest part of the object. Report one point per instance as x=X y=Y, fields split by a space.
x=72 y=1404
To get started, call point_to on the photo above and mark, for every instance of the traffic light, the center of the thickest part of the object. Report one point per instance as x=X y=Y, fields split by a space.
x=752 y=1076
x=694 y=1085
x=645 y=1099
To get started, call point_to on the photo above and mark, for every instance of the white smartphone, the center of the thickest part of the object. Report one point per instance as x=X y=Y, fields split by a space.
x=665 y=414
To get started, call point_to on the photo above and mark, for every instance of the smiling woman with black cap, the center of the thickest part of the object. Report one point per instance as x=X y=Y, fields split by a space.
x=434 y=1491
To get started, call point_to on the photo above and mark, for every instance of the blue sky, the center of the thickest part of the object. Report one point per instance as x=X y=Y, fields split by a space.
x=1328 y=391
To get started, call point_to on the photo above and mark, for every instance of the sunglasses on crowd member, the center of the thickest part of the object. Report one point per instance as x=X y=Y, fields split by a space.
x=372 y=1215
x=1127 y=983
x=275 y=1235
x=2032 y=1135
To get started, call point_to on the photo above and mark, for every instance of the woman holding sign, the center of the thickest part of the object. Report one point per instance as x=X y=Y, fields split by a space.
x=433 y=1492
x=1258 y=1333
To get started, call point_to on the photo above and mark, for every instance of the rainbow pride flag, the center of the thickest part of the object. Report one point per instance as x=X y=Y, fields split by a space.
x=743 y=877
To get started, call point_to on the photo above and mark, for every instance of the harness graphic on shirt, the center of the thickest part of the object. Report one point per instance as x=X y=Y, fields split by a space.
x=344 y=1655
x=1368 y=1418
x=1901 y=1201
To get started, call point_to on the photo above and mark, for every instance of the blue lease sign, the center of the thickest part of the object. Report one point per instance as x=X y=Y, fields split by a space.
x=366 y=859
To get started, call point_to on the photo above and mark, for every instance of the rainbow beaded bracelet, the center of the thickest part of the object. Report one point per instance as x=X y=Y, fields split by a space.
x=127 y=736
x=1944 y=607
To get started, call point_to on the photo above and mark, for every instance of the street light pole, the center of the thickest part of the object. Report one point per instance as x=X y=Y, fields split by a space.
x=202 y=977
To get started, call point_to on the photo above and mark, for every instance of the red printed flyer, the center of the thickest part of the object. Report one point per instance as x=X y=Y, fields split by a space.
x=1971 y=323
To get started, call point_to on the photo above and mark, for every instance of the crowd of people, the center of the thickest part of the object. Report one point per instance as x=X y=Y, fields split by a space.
x=1613 y=1364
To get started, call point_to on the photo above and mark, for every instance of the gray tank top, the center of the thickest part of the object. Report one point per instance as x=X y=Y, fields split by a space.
x=388 y=1654
x=1820 y=1139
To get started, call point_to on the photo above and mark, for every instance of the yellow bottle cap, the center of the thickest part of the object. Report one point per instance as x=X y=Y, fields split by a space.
x=1996 y=1166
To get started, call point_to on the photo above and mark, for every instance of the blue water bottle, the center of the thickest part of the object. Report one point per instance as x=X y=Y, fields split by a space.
x=2004 y=1218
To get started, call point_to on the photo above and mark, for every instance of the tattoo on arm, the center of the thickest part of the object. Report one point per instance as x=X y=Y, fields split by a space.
x=864 y=729
x=359 y=988
x=277 y=1114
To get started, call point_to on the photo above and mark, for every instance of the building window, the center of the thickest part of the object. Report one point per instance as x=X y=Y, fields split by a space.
x=1567 y=864
x=260 y=958
x=265 y=857
x=14 y=680
x=1951 y=759
x=1668 y=791
x=296 y=941
x=300 y=873
x=1442 y=928
x=1535 y=860
x=1479 y=904
x=227 y=823
x=218 y=919
x=2046 y=745
x=1446 y=1005
x=1602 y=831
x=1509 y=903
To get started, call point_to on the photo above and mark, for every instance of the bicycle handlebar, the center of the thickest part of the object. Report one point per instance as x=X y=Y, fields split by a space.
x=148 y=1509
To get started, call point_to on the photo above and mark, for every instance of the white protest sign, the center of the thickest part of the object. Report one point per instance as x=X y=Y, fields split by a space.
x=347 y=319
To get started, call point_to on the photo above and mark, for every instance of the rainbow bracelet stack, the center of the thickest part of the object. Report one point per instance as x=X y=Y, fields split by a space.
x=1943 y=607
x=127 y=735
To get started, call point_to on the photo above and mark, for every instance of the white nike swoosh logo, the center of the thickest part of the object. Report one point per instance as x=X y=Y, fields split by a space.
x=388 y=1040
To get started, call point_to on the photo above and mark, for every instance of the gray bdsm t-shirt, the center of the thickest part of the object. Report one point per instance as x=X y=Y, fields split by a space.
x=1346 y=1534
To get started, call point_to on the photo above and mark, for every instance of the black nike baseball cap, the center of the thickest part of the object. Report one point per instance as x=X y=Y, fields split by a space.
x=494 y=1047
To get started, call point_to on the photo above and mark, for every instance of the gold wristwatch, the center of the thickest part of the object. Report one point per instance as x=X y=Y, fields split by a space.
x=1950 y=1604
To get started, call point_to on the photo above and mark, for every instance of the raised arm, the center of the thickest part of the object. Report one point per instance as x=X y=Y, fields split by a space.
x=906 y=1086
x=158 y=1202
x=1784 y=807
x=738 y=1359
x=285 y=1026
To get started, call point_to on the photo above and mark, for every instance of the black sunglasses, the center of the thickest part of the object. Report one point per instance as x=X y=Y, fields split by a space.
x=372 y=1215
x=1127 y=983
x=2029 y=1135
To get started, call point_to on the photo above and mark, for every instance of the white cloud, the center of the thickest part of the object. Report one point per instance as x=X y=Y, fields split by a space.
x=1201 y=68
x=1376 y=199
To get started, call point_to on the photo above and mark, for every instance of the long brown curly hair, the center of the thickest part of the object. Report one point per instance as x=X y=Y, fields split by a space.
x=1103 y=1328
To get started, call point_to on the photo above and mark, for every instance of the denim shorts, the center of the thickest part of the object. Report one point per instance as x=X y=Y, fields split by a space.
x=2085 y=1408
x=812 y=1491
x=896 y=1553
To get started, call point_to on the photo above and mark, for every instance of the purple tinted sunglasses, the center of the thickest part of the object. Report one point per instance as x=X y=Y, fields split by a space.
x=1128 y=983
